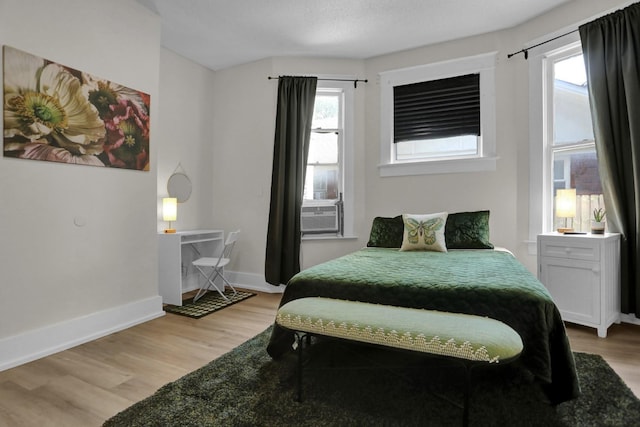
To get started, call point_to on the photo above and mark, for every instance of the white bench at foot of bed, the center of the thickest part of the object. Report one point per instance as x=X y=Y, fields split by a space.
x=471 y=339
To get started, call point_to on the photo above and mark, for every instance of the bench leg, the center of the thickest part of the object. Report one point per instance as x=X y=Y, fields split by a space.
x=300 y=339
x=468 y=367
x=467 y=391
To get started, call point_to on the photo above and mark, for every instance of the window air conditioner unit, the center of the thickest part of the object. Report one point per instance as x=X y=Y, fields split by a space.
x=319 y=219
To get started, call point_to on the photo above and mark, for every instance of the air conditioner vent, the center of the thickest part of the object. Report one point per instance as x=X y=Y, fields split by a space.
x=319 y=219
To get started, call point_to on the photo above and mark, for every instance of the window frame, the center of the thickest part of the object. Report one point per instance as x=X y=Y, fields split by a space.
x=541 y=136
x=339 y=93
x=485 y=160
x=346 y=152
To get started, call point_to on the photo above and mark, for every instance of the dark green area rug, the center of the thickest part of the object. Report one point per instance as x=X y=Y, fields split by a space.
x=245 y=387
x=210 y=302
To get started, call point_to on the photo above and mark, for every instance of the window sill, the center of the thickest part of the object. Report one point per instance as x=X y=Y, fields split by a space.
x=478 y=164
x=310 y=237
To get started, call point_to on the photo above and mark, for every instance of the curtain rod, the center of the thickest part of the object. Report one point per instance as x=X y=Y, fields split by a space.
x=526 y=50
x=355 y=81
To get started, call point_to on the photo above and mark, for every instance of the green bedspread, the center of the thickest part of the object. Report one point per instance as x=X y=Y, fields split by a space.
x=481 y=282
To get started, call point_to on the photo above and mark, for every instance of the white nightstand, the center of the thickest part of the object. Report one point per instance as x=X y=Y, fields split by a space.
x=582 y=273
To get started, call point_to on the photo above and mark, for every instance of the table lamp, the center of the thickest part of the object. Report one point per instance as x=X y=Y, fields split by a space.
x=566 y=207
x=169 y=212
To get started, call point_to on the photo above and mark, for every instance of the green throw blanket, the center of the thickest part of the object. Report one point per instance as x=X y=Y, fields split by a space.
x=481 y=282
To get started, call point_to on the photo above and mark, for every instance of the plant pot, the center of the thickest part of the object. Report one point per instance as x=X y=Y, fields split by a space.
x=597 y=227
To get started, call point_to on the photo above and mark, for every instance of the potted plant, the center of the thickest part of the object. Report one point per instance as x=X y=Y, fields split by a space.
x=597 y=224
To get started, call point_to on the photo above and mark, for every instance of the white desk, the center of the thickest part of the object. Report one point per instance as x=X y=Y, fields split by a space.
x=176 y=252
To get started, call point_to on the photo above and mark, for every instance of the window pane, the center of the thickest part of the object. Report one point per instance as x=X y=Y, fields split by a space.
x=577 y=166
x=326 y=112
x=323 y=148
x=579 y=169
x=321 y=182
x=466 y=145
x=571 y=114
x=571 y=70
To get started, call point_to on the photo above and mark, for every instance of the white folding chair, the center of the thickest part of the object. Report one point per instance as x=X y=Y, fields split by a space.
x=216 y=264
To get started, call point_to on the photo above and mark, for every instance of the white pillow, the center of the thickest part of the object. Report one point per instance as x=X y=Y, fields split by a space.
x=424 y=232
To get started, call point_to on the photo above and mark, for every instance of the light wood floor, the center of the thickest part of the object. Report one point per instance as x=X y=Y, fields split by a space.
x=87 y=384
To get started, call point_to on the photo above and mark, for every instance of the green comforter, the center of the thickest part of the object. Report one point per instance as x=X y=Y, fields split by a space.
x=481 y=282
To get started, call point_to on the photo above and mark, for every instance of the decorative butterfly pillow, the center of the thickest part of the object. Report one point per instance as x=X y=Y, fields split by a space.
x=424 y=232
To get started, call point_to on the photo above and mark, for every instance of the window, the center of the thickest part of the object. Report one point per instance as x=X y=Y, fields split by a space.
x=562 y=145
x=323 y=181
x=572 y=151
x=438 y=118
x=328 y=190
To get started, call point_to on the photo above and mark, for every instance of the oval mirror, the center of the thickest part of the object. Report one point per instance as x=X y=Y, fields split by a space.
x=179 y=186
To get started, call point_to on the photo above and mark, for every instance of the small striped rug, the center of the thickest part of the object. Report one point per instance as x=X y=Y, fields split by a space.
x=207 y=304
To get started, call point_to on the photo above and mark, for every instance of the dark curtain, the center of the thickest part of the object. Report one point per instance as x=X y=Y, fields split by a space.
x=296 y=96
x=611 y=47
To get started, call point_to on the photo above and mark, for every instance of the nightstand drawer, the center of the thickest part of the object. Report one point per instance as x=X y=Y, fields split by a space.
x=576 y=249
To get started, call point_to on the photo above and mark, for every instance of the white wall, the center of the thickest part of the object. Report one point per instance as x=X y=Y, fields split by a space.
x=243 y=135
x=244 y=123
x=185 y=139
x=452 y=192
x=243 y=109
x=505 y=191
x=62 y=283
x=556 y=22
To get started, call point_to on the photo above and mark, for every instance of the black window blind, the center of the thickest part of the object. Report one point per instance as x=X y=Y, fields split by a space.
x=437 y=108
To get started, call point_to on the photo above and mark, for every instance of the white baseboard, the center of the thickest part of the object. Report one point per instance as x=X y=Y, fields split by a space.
x=629 y=318
x=31 y=345
x=254 y=282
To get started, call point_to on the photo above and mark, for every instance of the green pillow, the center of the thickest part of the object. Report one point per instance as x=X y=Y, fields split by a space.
x=386 y=232
x=468 y=230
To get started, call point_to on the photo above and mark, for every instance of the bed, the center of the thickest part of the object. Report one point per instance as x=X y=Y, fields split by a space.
x=485 y=282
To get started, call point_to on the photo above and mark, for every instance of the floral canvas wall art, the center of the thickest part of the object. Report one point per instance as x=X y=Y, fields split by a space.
x=56 y=113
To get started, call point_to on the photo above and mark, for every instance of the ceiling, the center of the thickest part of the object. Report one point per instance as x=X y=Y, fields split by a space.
x=223 y=33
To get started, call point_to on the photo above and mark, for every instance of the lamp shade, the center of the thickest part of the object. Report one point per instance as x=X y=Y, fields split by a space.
x=169 y=209
x=566 y=203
